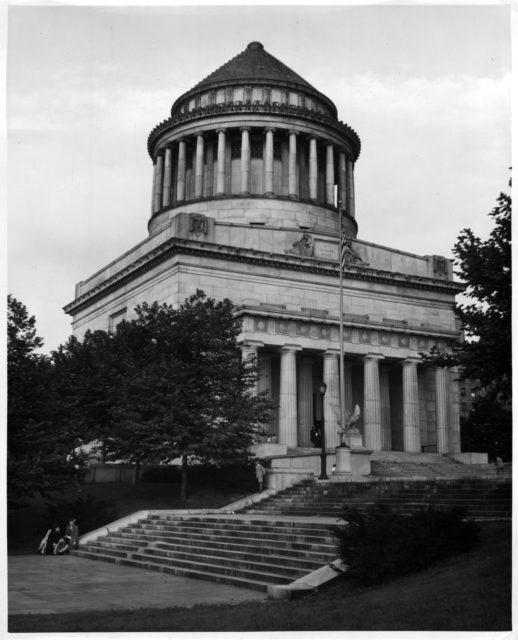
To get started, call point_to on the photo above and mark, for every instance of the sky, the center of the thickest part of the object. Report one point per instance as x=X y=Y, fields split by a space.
x=427 y=88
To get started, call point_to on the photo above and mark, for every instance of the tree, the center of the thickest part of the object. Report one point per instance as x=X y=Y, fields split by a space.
x=171 y=384
x=485 y=268
x=39 y=442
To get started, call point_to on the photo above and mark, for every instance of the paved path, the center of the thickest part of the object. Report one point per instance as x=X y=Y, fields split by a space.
x=50 y=584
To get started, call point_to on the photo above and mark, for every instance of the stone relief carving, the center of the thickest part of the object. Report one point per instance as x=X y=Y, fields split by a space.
x=350 y=256
x=199 y=224
x=303 y=247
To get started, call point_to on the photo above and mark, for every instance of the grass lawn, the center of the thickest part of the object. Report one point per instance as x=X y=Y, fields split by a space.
x=470 y=592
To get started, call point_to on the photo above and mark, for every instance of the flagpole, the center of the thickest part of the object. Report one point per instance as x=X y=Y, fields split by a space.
x=342 y=368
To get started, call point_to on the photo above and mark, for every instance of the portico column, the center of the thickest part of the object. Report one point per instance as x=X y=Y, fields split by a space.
x=293 y=183
x=348 y=386
x=268 y=166
x=168 y=169
x=330 y=175
x=198 y=176
x=245 y=161
x=264 y=381
x=180 y=179
x=157 y=184
x=332 y=397
x=454 y=430
x=220 y=176
x=441 y=409
x=305 y=402
x=350 y=187
x=411 y=422
x=288 y=396
x=249 y=349
x=372 y=401
x=313 y=168
x=342 y=182
x=386 y=435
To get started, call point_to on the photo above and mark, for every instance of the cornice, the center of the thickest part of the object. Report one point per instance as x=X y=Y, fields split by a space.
x=179 y=246
x=239 y=107
x=386 y=325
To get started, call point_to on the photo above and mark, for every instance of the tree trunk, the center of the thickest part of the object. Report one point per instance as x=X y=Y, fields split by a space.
x=136 y=473
x=183 y=487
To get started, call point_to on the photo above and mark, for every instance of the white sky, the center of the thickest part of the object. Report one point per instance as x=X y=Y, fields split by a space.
x=426 y=88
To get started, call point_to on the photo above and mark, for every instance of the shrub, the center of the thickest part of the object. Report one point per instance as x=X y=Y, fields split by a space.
x=379 y=544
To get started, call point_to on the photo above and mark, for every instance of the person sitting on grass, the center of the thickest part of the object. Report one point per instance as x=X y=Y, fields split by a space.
x=50 y=542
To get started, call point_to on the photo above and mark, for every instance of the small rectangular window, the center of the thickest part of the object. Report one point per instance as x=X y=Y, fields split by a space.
x=116 y=317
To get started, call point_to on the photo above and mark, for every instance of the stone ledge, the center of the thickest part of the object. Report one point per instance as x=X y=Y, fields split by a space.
x=307 y=583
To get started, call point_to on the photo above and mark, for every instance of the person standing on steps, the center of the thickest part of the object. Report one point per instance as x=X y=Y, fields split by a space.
x=260 y=472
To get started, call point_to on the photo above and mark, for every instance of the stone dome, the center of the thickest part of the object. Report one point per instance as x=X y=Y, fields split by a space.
x=254 y=65
x=255 y=143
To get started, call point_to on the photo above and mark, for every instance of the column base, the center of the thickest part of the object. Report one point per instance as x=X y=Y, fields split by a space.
x=293 y=196
x=244 y=193
x=269 y=194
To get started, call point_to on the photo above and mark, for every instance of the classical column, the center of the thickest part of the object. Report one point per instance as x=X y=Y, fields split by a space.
x=153 y=190
x=293 y=183
x=198 y=176
x=330 y=174
x=411 y=422
x=313 y=169
x=372 y=402
x=386 y=434
x=268 y=166
x=342 y=181
x=245 y=161
x=454 y=430
x=305 y=402
x=180 y=179
x=168 y=169
x=332 y=397
x=350 y=187
x=288 y=396
x=157 y=188
x=250 y=349
x=441 y=409
x=220 y=176
x=264 y=381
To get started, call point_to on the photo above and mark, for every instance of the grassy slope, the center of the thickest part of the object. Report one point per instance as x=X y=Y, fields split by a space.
x=471 y=592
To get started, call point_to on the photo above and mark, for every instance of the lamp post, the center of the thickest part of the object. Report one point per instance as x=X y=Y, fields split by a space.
x=323 y=474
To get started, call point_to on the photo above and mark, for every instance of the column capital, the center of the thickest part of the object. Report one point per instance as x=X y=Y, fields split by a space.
x=373 y=357
x=254 y=344
x=412 y=360
x=267 y=129
x=245 y=129
x=201 y=135
x=331 y=353
x=286 y=348
x=290 y=132
x=182 y=139
x=221 y=130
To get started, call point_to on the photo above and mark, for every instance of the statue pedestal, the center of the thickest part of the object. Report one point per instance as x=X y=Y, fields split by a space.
x=343 y=461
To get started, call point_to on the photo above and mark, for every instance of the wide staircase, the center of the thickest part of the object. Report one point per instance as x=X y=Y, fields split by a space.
x=399 y=464
x=242 y=550
x=482 y=498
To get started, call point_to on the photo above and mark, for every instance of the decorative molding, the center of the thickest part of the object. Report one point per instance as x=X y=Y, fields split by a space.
x=183 y=246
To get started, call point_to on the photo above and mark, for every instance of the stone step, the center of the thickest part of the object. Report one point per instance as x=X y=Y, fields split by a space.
x=207 y=533
x=200 y=574
x=316 y=551
x=316 y=544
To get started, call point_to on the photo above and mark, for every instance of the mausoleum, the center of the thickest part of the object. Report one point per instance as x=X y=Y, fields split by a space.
x=250 y=173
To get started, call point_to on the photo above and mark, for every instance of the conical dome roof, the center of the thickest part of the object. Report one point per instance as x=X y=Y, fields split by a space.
x=254 y=65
